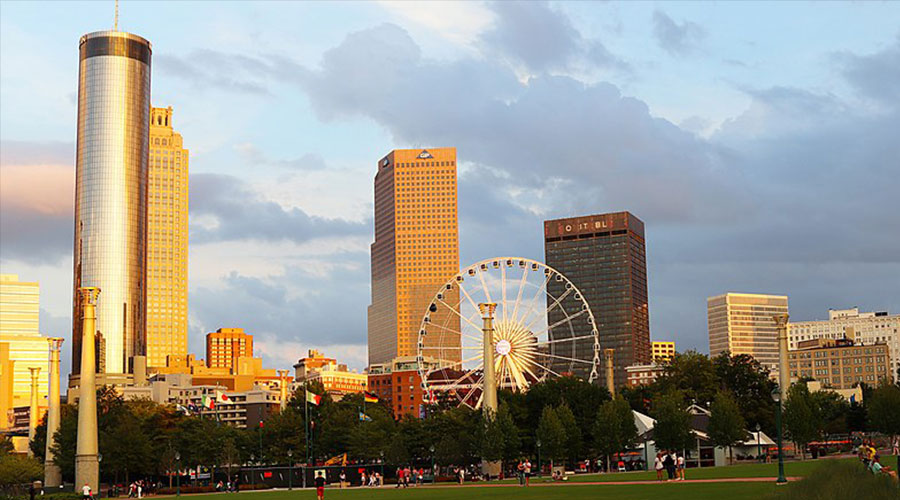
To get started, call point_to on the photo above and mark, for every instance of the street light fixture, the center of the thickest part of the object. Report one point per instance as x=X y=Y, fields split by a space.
x=433 y=472
x=290 y=470
x=177 y=474
x=540 y=470
x=776 y=396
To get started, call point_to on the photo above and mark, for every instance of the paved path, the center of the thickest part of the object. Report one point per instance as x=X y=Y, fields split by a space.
x=613 y=483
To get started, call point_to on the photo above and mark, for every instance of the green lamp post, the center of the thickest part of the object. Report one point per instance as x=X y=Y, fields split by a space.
x=540 y=470
x=290 y=470
x=776 y=396
x=177 y=474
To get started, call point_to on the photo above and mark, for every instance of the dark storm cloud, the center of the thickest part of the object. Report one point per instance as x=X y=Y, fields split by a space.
x=676 y=39
x=541 y=38
x=34 y=237
x=224 y=209
x=320 y=303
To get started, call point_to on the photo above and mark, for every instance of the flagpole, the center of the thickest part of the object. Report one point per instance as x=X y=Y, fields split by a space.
x=306 y=407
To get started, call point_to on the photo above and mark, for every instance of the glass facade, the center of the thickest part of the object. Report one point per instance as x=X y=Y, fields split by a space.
x=416 y=248
x=605 y=258
x=111 y=193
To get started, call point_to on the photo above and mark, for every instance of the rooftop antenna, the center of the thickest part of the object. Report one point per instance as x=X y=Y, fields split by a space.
x=116 y=22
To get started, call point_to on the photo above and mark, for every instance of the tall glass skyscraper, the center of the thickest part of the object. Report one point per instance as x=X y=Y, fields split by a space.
x=605 y=258
x=111 y=193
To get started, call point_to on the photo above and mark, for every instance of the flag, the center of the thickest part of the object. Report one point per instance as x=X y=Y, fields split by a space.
x=182 y=408
x=852 y=398
x=364 y=418
x=369 y=397
x=221 y=397
x=313 y=398
x=192 y=407
x=208 y=402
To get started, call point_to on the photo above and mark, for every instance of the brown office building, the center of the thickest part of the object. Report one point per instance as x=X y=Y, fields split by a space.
x=416 y=248
x=605 y=258
x=839 y=364
x=225 y=345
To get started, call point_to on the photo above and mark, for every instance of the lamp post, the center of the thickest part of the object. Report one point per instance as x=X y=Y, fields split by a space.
x=776 y=396
x=290 y=470
x=99 y=461
x=381 y=453
x=758 y=448
x=177 y=474
x=433 y=472
x=538 y=444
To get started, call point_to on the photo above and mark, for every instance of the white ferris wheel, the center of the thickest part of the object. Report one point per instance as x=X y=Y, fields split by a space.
x=541 y=327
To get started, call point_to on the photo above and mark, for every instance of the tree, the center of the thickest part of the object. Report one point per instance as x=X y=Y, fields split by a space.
x=801 y=416
x=614 y=428
x=552 y=435
x=726 y=425
x=572 y=442
x=834 y=411
x=749 y=383
x=673 y=423
x=692 y=375
x=18 y=469
x=884 y=409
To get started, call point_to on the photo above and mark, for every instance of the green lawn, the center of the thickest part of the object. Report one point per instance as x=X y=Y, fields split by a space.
x=791 y=469
x=732 y=491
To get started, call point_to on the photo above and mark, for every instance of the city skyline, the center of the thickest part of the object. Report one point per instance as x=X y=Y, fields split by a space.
x=280 y=232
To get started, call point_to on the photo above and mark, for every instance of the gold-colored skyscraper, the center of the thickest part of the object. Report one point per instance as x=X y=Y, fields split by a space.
x=416 y=248
x=167 y=241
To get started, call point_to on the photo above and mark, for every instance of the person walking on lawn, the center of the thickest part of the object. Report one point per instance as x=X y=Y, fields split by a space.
x=320 y=486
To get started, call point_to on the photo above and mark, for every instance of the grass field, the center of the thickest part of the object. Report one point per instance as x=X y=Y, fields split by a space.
x=573 y=490
x=731 y=491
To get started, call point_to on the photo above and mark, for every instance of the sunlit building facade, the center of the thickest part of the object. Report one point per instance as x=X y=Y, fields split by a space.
x=663 y=352
x=167 y=241
x=111 y=195
x=743 y=323
x=225 y=345
x=604 y=256
x=23 y=345
x=416 y=249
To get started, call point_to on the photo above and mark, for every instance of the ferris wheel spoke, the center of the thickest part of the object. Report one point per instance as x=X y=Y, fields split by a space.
x=484 y=287
x=519 y=295
x=503 y=289
x=467 y=374
x=467 y=320
x=546 y=369
x=556 y=302
x=469 y=297
x=564 y=320
x=472 y=390
x=540 y=293
x=575 y=360
x=567 y=339
x=442 y=327
x=480 y=400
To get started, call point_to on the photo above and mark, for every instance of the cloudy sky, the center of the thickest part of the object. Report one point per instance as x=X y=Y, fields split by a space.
x=759 y=142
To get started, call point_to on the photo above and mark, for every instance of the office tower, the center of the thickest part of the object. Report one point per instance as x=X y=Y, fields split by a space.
x=862 y=328
x=26 y=348
x=605 y=257
x=111 y=196
x=416 y=249
x=742 y=323
x=167 y=241
x=225 y=345
x=663 y=352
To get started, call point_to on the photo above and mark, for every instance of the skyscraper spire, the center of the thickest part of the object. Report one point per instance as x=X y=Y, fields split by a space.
x=116 y=21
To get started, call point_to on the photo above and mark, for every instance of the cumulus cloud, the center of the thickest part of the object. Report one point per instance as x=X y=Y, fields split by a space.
x=676 y=39
x=207 y=68
x=253 y=155
x=877 y=75
x=223 y=208
x=541 y=38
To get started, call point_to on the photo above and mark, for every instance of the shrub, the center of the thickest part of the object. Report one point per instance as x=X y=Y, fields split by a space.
x=840 y=480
